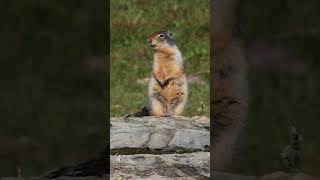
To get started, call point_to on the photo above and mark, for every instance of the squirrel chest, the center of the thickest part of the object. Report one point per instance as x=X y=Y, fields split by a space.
x=168 y=78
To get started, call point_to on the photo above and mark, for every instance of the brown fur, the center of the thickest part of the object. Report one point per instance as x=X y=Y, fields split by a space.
x=229 y=88
x=168 y=84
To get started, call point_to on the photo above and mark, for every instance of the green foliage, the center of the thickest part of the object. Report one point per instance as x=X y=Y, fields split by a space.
x=131 y=59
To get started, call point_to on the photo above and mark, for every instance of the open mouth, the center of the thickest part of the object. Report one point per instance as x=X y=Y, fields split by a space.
x=153 y=46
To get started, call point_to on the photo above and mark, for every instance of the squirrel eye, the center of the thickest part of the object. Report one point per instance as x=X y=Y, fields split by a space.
x=161 y=36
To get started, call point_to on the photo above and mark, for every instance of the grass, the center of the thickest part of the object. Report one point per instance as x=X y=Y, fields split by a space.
x=131 y=59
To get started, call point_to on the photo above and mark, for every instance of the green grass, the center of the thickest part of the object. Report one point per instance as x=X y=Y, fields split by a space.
x=131 y=59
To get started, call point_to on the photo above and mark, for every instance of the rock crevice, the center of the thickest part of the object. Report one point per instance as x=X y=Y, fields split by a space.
x=159 y=148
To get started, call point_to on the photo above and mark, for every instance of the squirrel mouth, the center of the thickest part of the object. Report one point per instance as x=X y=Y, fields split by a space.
x=153 y=46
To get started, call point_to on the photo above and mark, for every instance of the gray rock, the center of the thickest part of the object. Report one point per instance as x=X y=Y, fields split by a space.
x=165 y=166
x=159 y=133
x=189 y=139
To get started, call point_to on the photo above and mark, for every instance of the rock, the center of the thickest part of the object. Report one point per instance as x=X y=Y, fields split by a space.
x=168 y=134
x=201 y=120
x=165 y=166
x=147 y=147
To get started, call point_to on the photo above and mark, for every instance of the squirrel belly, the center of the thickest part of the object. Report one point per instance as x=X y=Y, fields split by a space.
x=167 y=98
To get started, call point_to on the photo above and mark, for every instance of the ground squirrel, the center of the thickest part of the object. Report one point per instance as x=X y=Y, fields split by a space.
x=229 y=86
x=167 y=89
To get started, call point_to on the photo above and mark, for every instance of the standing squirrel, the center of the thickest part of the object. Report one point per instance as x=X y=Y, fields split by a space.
x=229 y=86
x=167 y=89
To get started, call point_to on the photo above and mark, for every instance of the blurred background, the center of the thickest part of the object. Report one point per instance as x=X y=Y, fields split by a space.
x=283 y=42
x=53 y=104
x=131 y=22
x=53 y=108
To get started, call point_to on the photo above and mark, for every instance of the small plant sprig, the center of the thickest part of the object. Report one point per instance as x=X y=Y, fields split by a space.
x=200 y=110
x=290 y=155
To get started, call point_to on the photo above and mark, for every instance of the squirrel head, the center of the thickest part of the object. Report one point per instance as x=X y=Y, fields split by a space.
x=162 y=41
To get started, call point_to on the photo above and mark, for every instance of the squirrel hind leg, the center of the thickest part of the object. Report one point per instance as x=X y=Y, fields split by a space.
x=157 y=109
x=177 y=111
x=177 y=106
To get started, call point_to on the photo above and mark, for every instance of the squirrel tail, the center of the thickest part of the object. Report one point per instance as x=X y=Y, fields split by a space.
x=144 y=112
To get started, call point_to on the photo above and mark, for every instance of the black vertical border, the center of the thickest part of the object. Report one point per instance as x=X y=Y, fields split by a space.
x=211 y=15
x=107 y=82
